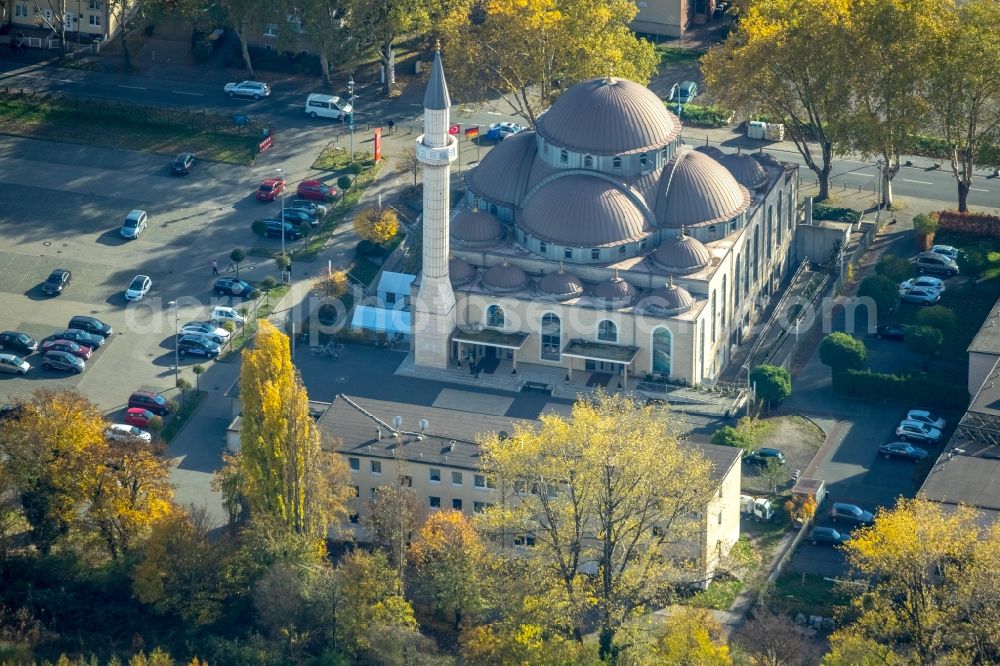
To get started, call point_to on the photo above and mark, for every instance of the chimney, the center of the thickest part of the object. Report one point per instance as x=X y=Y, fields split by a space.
x=378 y=434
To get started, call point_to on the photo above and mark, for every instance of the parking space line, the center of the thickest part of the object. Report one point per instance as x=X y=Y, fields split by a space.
x=976 y=189
x=37 y=76
x=181 y=92
x=918 y=182
x=121 y=85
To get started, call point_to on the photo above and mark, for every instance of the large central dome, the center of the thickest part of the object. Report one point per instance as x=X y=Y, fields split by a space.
x=608 y=117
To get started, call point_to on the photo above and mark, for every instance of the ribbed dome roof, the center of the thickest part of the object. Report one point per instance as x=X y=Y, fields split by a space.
x=617 y=289
x=502 y=174
x=667 y=300
x=745 y=169
x=682 y=254
x=699 y=191
x=561 y=284
x=505 y=277
x=460 y=271
x=711 y=151
x=767 y=159
x=582 y=211
x=475 y=226
x=608 y=117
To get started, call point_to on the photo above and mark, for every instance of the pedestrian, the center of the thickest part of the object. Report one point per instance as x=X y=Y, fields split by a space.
x=215 y=267
x=289 y=267
x=392 y=126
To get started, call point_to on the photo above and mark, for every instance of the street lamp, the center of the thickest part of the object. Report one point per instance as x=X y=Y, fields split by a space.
x=350 y=119
x=281 y=170
x=177 y=358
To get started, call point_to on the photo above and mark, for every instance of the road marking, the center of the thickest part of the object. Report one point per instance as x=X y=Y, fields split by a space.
x=36 y=76
x=865 y=175
x=976 y=189
x=918 y=182
x=181 y=92
x=131 y=87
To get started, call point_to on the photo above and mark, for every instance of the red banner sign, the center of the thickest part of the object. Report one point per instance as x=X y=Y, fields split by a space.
x=378 y=143
x=455 y=129
x=264 y=145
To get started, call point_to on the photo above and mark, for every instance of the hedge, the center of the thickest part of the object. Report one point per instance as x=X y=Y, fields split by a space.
x=937 y=147
x=913 y=389
x=703 y=116
x=824 y=212
x=978 y=224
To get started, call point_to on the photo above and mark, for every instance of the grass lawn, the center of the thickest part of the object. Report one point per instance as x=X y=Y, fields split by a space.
x=184 y=411
x=673 y=55
x=720 y=595
x=363 y=270
x=805 y=593
x=58 y=120
x=337 y=158
x=264 y=308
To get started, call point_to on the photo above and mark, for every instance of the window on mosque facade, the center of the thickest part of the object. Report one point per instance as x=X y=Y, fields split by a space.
x=568 y=252
x=563 y=157
x=661 y=351
x=616 y=163
x=494 y=316
x=595 y=254
x=542 y=247
x=588 y=162
x=551 y=337
x=607 y=331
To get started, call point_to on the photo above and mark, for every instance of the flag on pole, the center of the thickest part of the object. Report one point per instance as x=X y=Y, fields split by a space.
x=472 y=132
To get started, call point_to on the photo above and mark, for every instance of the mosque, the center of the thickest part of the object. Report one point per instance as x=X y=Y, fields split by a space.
x=597 y=241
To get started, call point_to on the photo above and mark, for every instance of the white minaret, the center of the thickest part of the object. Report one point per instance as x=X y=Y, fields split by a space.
x=434 y=310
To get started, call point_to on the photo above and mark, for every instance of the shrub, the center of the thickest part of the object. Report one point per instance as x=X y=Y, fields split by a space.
x=925 y=224
x=907 y=389
x=366 y=248
x=772 y=383
x=704 y=116
x=840 y=351
x=977 y=224
x=730 y=436
x=924 y=341
x=345 y=182
x=883 y=291
x=378 y=226
x=939 y=317
x=824 y=212
x=258 y=227
x=895 y=268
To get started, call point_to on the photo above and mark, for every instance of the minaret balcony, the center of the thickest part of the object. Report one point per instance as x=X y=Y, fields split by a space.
x=437 y=156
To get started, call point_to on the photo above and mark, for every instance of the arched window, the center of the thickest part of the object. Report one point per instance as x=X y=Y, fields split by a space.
x=493 y=209
x=746 y=268
x=713 y=315
x=563 y=157
x=643 y=160
x=791 y=212
x=616 y=163
x=780 y=227
x=567 y=253
x=494 y=316
x=542 y=247
x=661 y=351
x=725 y=305
x=607 y=331
x=588 y=162
x=756 y=252
x=712 y=233
x=551 y=337
x=736 y=283
x=770 y=230
x=545 y=147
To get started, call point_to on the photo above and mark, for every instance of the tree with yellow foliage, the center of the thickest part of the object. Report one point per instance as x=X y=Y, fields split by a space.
x=608 y=488
x=377 y=226
x=689 y=637
x=331 y=285
x=281 y=472
x=527 y=52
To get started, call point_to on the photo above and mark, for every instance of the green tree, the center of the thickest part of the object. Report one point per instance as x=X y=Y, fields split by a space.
x=883 y=292
x=772 y=383
x=963 y=92
x=689 y=636
x=840 y=351
x=528 y=53
x=894 y=268
x=730 y=436
x=610 y=485
x=326 y=26
x=394 y=515
x=382 y=22
x=924 y=224
x=281 y=472
x=237 y=256
x=924 y=341
x=773 y=474
x=788 y=61
x=937 y=316
x=198 y=371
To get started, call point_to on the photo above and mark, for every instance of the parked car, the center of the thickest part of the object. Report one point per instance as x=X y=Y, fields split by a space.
x=827 y=536
x=500 y=131
x=150 y=400
x=686 y=91
x=924 y=281
x=183 y=164
x=892 y=332
x=225 y=286
x=199 y=345
x=91 y=325
x=60 y=360
x=221 y=313
x=315 y=190
x=935 y=262
x=11 y=411
x=123 y=432
x=917 y=432
x=327 y=106
x=920 y=296
x=926 y=418
x=311 y=207
x=207 y=329
x=763 y=456
x=138 y=288
x=902 y=451
x=274 y=229
x=297 y=216
x=17 y=341
x=134 y=224
x=254 y=89
x=57 y=281
x=80 y=337
x=13 y=364
x=851 y=514
x=138 y=416
x=946 y=250
x=270 y=189
x=74 y=348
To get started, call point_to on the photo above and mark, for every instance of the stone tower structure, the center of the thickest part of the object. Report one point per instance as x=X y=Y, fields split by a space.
x=434 y=309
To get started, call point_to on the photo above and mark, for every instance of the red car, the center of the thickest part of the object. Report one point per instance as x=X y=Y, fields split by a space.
x=138 y=416
x=316 y=190
x=270 y=189
x=68 y=346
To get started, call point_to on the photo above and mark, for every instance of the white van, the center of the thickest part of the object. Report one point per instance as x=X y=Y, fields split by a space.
x=327 y=106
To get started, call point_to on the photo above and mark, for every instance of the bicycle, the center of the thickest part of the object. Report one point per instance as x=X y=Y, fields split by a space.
x=330 y=350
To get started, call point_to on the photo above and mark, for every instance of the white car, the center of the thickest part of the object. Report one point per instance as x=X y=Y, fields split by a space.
x=500 y=131
x=134 y=224
x=123 y=432
x=926 y=418
x=207 y=329
x=915 y=431
x=254 y=89
x=924 y=281
x=14 y=364
x=920 y=296
x=946 y=250
x=138 y=288
x=221 y=313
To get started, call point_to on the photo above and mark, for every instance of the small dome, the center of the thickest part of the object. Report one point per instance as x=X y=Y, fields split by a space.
x=711 y=151
x=616 y=291
x=698 y=191
x=608 y=117
x=682 y=254
x=460 y=272
x=561 y=285
x=502 y=175
x=476 y=226
x=667 y=301
x=745 y=169
x=767 y=160
x=582 y=211
x=505 y=277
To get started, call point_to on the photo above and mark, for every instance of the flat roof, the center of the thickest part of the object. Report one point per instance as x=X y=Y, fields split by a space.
x=987 y=340
x=600 y=351
x=491 y=338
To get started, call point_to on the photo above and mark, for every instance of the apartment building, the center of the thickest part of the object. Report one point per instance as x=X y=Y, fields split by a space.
x=88 y=18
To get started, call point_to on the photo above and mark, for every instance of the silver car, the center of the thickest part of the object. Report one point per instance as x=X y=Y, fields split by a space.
x=254 y=89
x=13 y=364
x=58 y=360
x=935 y=262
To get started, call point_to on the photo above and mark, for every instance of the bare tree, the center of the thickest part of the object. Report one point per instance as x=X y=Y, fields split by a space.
x=770 y=639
